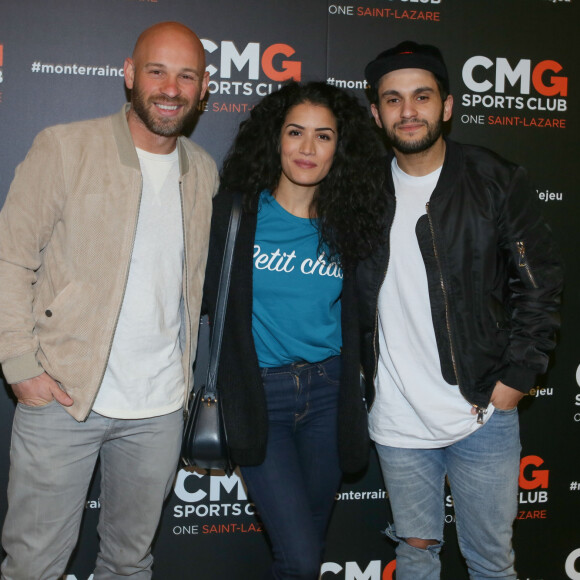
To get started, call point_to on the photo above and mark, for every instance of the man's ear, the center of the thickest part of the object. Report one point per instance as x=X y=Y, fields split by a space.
x=448 y=108
x=129 y=71
x=204 y=85
x=376 y=115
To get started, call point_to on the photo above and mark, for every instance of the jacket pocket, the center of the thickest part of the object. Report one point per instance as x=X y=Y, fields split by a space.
x=66 y=329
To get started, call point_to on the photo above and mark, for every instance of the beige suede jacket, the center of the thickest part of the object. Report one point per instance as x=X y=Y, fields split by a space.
x=66 y=237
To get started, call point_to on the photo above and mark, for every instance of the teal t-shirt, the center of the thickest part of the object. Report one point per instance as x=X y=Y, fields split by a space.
x=296 y=308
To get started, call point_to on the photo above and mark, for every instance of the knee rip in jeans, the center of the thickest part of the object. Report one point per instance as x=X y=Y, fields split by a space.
x=432 y=546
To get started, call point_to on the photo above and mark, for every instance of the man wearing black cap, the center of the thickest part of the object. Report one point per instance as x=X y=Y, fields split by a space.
x=458 y=314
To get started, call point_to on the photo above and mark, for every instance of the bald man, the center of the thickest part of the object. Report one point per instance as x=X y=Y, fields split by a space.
x=103 y=245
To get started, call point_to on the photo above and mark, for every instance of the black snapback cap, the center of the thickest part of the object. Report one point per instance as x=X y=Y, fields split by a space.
x=408 y=54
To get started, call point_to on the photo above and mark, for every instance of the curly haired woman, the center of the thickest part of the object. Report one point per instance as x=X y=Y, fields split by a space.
x=289 y=369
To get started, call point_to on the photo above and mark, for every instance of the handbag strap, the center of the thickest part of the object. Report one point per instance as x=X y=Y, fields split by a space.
x=222 y=299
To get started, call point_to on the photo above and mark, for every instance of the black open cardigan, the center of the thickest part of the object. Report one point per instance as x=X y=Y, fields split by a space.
x=239 y=381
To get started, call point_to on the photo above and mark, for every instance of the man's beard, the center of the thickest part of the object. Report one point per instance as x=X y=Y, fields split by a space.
x=165 y=127
x=434 y=131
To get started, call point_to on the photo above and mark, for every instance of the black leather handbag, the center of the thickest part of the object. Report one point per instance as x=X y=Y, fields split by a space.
x=205 y=442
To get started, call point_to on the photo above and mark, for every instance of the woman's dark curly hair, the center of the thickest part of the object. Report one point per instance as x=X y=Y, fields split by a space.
x=349 y=202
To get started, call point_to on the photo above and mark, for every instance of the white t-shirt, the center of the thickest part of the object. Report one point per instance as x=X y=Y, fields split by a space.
x=414 y=406
x=144 y=375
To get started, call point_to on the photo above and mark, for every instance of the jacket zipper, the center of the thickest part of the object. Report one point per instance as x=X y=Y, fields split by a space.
x=122 y=300
x=442 y=282
x=480 y=410
x=523 y=262
x=185 y=303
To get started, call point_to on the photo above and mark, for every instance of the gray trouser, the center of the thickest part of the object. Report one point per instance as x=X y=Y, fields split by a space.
x=52 y=461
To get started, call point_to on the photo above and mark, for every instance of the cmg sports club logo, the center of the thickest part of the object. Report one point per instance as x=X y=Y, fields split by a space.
x=247 y=70
x=212 y=505
x=521 y=93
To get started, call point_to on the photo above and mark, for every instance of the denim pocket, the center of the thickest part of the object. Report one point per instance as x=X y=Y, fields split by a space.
x=35 y=408
x=331 y=370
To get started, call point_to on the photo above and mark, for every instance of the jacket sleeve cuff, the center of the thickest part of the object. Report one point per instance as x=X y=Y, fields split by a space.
x=20 y=368
x=519 y=378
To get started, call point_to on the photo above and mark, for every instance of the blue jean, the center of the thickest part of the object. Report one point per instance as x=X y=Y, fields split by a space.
x=483 y=472
x=52 y=462
x=295 y=486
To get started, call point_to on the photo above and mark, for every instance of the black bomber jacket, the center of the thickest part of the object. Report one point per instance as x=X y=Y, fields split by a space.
x=494 y=276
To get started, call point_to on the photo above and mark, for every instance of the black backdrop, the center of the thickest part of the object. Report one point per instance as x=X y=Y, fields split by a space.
x=514 y=76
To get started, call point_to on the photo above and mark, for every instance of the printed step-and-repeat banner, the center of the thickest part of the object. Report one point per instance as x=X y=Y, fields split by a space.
x=514 y=76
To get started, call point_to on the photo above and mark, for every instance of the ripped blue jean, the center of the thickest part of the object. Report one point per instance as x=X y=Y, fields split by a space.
x=483 y=472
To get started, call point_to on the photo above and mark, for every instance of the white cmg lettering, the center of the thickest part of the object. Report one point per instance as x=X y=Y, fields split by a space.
x=469 y=66
x=229 y=55
x=503 y=72
x=180 y=490
x=571 y=565
x=352 y=570
x=216 y=484
x=331 y=567
x=522 y=71
x=227 y=482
